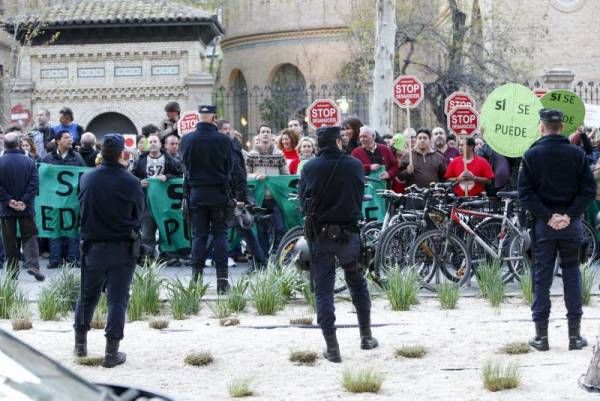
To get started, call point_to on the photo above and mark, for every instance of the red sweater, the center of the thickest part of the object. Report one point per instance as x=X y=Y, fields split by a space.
x=389 y=161
x=292 y=159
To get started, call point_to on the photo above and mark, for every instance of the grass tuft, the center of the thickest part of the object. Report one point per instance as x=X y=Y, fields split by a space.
x=526 y=284
x=236 y=298
x=362 y=381
x=239 y=388
x=448 y=294
x=401 y=288
x=588 y=278
x=498 y=376
x=199 y=358
x=185 y=298
x=220 y=308
x=100 y=313
x=411 y=351
x=515 y=348
x=9 y=292
x=90 y=361
x=266 y=292
x=491 y=285
x=20 y=315
x=304 y=357
x=145 y=291
x=309 y=296
x=158 y=323
x=50 y=305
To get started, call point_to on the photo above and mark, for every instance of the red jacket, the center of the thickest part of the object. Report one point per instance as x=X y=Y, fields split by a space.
x=389 y=160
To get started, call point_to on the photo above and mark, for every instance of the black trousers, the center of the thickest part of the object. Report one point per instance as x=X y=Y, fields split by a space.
x=28 y=231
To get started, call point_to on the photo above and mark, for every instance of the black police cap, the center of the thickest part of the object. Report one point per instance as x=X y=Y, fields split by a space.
x=173 y=107
x=328 y=133
x=207 y=109
x=551 y=115
x=115 y=141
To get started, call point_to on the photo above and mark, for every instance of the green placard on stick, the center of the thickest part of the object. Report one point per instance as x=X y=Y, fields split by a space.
x=570 y=104
x=510 y=119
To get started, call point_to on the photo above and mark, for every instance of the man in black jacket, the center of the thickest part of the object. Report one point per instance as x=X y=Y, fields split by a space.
x=331 y=191
x=18 y=187
x=556 y=186
x=111 y=209
x=159 y=165
x=208 y=159
x=63 y=155
x=88 y=150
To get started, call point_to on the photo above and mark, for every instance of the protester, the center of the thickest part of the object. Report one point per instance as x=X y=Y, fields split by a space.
x=470 y=172
x=478 y=143
x=265 y=161
x=169 y=124
x=350 y=131
x=19 y=185
x=149 y=129
x=155 y=164
x=42 y=134
x=64 y=155
x=111 y=208
x=287 y=143
x=556 y=186
x=376 y=158
x=307 y=150
x=451 y=141
x=88 y=149
x=66 y=124
x=28 y=146
x=331 y=192
x=427 y=165
x=171 y=146
x=295 y=124
x=440 y=144
x=209 y=162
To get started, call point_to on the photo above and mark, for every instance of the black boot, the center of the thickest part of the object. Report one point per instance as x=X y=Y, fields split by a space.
x=81 y=344
x=576 y=342
x=112 y=355
x=222 y=286
x=540 y=341
x=367 y=341
x=197 y=273
x=332 y=353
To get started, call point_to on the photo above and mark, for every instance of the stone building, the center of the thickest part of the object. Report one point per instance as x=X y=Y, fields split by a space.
x=116 y=63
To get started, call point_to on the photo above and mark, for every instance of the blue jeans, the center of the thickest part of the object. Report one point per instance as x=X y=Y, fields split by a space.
x=110 y=264
x=64 y=248
x=253 y=245
x=567 y=243
x=323 y=263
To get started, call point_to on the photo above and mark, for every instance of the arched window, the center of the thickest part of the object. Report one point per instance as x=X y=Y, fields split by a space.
x=288 y=97
x=239 y=91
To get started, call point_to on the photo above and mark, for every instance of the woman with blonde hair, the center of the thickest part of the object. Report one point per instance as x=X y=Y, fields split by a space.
x=307 y=150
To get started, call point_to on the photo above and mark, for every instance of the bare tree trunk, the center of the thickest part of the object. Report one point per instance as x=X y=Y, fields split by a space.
x=592 y=377
x=383 y=73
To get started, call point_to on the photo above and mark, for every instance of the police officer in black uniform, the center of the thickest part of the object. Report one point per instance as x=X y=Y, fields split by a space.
x=331 y=191
x=556 y=186
x=208 y=158
x=111 y=211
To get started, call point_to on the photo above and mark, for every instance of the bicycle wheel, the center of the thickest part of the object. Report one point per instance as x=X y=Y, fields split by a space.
x=393 y=246
x=284 y=254
x=440 y=256
x=589 y=240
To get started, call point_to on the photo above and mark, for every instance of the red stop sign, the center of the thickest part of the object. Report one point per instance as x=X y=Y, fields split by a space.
x=458 y=99
x=20 y=116
x=540 y=92
x=187 y=122
x=323 y=112
x=463 y=121
x=408 y=91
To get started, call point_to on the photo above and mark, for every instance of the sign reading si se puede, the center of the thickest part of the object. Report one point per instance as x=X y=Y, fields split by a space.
x=570 y=104
x=187 y=122
x=463 y=121
x=458 y=99
x=408 y=91
x=323 y=112
x=510 y=119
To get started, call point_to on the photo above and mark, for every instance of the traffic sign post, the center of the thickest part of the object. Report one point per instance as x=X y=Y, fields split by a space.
x=458 y=99
x=187 y=122
x=323 y=113
x=408 y=93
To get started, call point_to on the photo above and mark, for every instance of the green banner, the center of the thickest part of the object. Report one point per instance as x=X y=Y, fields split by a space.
x=57 y=206
x=570 y=104
x=510 y=119
x=163 y=200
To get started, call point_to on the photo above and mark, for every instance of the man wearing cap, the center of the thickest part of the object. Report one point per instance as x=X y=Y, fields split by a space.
x=111 y=210
x=331 y=192
x=169 y=125
x=208 y=159
x=556 y=186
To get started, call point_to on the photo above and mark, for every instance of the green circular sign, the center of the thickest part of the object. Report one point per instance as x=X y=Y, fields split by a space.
x=571 y=106
x=510 y=119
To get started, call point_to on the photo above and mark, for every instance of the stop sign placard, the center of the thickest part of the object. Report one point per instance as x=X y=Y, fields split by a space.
x=323 y=112
x=458 y=99
x=540 y=92
x=408 y=91
x=463 y=121
x=187 y=122
x=20 y=116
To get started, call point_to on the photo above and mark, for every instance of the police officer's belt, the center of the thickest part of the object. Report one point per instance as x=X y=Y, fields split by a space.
x=337 y=232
